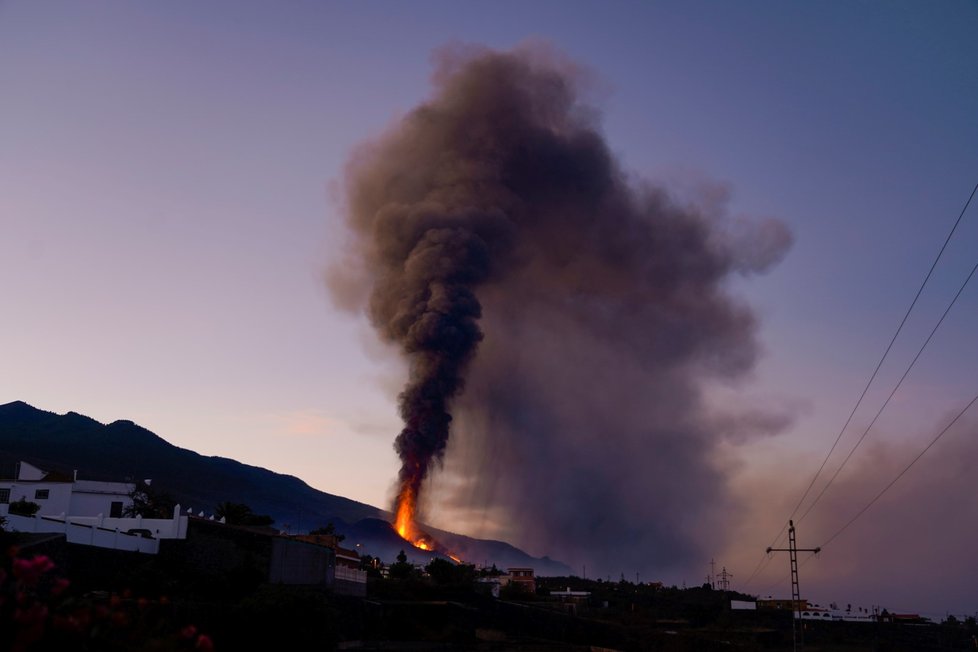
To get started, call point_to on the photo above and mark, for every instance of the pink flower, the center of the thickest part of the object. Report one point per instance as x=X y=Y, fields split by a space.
x=204 y=643
x=188 y=632
x=67 y=623
x=32 y=616
x=30 y=625
x=60 y=586
x=29 y=571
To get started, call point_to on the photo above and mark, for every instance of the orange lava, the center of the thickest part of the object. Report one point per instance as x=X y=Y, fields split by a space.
x=404 y=521
x=405 y=526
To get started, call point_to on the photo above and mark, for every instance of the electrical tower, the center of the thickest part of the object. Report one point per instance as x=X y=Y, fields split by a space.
x=725 y=579
x=797 y=629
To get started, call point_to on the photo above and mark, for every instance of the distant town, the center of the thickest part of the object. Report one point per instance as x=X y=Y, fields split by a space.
x=119 y=564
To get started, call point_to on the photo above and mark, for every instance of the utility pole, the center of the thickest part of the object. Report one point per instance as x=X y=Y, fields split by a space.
x=713 y=573
x=797 y=639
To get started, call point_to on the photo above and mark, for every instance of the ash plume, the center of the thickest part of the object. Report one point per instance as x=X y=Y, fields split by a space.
x=500 y=246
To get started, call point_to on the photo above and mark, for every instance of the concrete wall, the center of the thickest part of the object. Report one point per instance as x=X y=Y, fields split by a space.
x=160 y=528
x=83 y=534
x=350 y=581
x=298 y=562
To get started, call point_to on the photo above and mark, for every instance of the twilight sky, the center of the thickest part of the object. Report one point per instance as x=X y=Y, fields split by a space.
x=170 y=201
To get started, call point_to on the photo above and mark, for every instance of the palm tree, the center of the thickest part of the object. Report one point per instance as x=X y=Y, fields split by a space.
x=233 y=513
x=241 y=514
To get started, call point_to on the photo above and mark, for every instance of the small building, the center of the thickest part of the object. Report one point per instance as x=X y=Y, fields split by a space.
x=523 y=578
x=217 y=549
x=489 y=585
x=905 y=619
x=87 y=512
x=57 y=493
x=571 y=596
x=568 y=601
x=778 y=603
x=350 y=580
x=347 y=558
x=743 y=605
x=347 y=577
x=816 y=613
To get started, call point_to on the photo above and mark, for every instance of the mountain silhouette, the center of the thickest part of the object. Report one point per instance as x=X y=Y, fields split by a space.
x=125 y=451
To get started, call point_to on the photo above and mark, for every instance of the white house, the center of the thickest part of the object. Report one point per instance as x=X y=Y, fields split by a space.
x=58 y=494
x=88 y=512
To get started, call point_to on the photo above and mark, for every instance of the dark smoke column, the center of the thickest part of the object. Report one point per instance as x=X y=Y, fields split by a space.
x=434 y=320
x=493 y=217
x=430 y=208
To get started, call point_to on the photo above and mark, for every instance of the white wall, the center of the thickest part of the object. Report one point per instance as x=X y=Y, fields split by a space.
x=27 y=471
x=351 y=574
x=80 y=498
x=161 y=528
x=90 y=498
x=58 y=500
x=82 y=534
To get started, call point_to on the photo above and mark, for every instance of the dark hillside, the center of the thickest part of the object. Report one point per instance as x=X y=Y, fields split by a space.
x=123 y=450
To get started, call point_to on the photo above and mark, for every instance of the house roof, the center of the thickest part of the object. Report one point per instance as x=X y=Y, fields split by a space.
x=345 y=552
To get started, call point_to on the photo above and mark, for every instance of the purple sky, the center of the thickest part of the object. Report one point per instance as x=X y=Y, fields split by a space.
x=170 y=178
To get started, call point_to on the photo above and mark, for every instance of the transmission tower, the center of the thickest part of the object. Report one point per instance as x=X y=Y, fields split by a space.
x=725 y=579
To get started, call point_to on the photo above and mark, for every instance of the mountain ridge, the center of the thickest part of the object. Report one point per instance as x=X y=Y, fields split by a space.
x=124 y=450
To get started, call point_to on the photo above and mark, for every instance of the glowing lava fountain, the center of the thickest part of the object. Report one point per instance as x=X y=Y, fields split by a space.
x=406 y=527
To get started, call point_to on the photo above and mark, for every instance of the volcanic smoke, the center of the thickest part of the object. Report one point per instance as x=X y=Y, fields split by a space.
x=494 y=218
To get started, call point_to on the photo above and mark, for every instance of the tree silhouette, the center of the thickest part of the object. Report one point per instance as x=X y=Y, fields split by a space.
x=328 y=530
x=241 y=514
x=149 y=503
x=401 y=569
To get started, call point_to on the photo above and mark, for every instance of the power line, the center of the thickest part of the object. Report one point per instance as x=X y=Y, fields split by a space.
x=887 y=351
x=757 y=569
x=901 y=473
x=894 y=391
x=787 y=576
x=862 y=395
x=765 y=558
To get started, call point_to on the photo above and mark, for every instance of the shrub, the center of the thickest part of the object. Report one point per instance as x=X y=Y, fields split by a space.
x=24 y=507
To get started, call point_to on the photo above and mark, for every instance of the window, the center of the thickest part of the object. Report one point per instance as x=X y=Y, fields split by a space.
x=4 y=496
x=115 y=511
x=41 y=494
